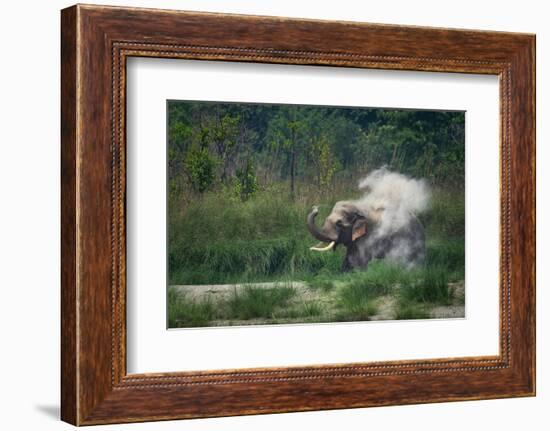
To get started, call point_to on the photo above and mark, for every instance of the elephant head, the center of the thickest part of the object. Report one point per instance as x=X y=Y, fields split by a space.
x=344 y=225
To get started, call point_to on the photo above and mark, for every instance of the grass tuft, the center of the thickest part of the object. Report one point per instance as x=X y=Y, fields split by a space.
x=356 y=302
x=432 y=286
x=311 y=309
x=410 y=310
x=256 y=302
x=183 y=312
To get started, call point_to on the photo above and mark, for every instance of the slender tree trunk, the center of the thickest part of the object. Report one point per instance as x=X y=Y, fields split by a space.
x=292 y=164
x=292 y=173
x=394 y=155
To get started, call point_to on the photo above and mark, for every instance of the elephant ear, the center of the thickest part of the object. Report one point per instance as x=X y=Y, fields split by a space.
x=359 y=228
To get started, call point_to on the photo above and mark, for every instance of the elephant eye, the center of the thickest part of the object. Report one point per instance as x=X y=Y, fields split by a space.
x=339 y=223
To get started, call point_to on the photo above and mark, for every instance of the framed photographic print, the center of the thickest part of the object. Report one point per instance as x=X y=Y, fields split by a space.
x=265 y=215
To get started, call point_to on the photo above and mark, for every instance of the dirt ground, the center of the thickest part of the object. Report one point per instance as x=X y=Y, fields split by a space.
x=386 y=305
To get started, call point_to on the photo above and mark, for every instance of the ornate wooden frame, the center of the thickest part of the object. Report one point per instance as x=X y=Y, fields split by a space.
x=95 y=43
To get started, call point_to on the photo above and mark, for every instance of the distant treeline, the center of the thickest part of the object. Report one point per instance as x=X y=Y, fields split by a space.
x=243 y=147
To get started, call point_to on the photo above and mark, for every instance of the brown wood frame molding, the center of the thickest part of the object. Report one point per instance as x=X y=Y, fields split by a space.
x=95 y=43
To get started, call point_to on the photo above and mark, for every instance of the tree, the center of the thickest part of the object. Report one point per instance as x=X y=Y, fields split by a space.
x=285 y=132
x=222 y=132
x=323 y=160
x=201 y=168
x=211 y=143
x=247 y=183
x=180 y=136
x=428 y=144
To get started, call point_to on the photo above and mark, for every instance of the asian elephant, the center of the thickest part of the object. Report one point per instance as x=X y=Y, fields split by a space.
x=369 y=234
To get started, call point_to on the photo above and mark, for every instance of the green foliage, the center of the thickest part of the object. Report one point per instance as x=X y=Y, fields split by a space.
x=324 y=162
x=286 y=134
x=247 y=182
x=201 y=168
x=222 y=132
x=425 y=144
x=317 y=144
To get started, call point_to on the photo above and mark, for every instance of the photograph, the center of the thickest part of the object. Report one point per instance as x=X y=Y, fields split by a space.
x=302 y=214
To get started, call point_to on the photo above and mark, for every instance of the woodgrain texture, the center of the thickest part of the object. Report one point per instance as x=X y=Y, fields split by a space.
x=95 y=43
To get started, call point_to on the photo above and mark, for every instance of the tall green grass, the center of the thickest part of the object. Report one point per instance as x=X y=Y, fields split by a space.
x=220 y=240
x=445 y=217
x=217 y=239
x=430 y=286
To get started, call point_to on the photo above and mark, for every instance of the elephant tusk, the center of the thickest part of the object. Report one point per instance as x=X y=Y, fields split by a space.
x=327 y=248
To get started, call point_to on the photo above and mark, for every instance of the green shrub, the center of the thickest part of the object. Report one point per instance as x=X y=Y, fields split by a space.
x=247 y=183
x=201 y=167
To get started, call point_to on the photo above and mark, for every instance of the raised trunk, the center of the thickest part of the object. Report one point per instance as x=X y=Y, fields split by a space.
x=314 y=230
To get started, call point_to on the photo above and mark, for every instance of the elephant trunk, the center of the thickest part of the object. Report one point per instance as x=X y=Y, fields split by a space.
x=314 y=230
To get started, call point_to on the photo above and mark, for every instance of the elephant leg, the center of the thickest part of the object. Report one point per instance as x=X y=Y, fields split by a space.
x=356 y=259
x=346 y=265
